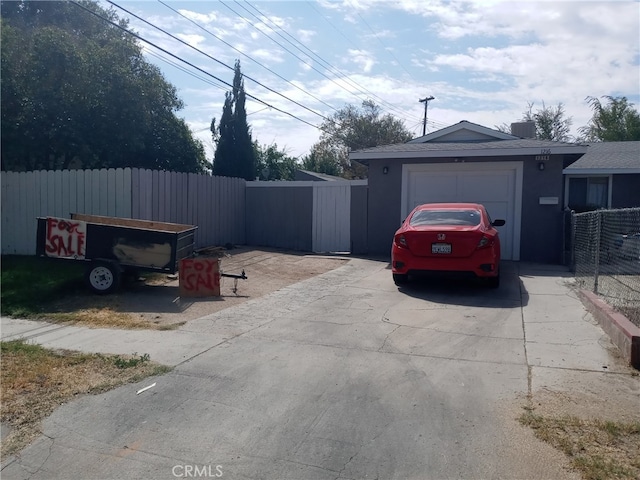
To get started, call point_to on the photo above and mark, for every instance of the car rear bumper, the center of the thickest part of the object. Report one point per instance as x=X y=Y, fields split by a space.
x=482 y=263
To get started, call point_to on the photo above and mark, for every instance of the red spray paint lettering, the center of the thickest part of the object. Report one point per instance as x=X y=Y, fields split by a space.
x=200 y=275
x=65 y=238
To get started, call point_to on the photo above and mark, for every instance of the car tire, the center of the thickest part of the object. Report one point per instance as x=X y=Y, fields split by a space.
x=494 y=282
x=103 y=277
x=400 y=278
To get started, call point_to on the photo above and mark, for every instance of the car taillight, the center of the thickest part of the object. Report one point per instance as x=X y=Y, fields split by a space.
x=485 y=242
x=401 y=241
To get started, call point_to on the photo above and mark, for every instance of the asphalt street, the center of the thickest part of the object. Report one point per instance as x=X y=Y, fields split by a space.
x=342 y=376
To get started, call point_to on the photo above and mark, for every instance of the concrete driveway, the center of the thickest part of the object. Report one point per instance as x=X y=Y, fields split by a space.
x=341 y=376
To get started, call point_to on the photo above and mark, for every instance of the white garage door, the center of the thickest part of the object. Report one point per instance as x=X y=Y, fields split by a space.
x=498 y=186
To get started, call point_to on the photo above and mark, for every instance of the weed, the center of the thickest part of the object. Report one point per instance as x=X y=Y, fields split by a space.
x=600 y=450
x=131 y=362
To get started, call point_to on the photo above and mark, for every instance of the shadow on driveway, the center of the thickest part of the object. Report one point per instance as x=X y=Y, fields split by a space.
x=471 y=292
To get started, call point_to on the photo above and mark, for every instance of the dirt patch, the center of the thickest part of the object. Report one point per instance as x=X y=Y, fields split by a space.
x=156 y=302
x=36 y=381
x=592 y=417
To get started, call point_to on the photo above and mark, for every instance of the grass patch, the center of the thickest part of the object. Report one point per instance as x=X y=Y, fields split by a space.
x=105 y=317
x=35 y=381
x=600 y=450
x=39 y=288
x=30 y=282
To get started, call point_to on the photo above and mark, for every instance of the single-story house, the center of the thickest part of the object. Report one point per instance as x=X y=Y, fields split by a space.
x=607 y=176
x=518 y=179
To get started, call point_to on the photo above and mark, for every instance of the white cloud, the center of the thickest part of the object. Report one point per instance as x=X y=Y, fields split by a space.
x=362 y=58
x=191 y=39
x=381 y=34
x=306 y=35
x=274 y=56
x=205 y=18
x=482 y=61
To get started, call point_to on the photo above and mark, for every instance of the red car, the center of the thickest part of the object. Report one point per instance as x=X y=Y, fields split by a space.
x=447 y=238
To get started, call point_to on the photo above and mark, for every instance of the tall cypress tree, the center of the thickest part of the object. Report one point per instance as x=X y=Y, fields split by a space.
x=235 y=156
x=224 y=138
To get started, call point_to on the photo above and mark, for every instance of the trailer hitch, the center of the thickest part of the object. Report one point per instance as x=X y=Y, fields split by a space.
x=242 y=276
x=231 y=275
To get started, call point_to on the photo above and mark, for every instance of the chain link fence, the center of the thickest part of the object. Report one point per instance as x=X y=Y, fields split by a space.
x=605 y=256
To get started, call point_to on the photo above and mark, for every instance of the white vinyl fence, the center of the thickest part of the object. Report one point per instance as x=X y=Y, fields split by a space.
x=215 y=204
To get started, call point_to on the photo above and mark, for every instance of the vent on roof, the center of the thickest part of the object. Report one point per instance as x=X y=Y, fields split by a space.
x=524 y=129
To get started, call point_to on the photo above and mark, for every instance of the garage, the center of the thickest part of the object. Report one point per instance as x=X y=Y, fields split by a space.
x=517 y=177
x=496 y=185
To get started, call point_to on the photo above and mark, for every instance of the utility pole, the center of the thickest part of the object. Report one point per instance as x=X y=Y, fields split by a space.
x=426 y=104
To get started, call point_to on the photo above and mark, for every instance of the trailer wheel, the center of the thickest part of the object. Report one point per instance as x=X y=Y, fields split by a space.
x=103 y=277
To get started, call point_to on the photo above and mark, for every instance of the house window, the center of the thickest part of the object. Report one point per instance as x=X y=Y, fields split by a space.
x=588 y=193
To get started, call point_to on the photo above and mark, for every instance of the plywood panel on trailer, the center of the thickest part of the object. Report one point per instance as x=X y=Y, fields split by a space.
x=133 y=223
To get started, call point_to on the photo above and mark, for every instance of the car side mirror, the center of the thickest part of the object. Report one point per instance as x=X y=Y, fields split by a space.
x=498 y=223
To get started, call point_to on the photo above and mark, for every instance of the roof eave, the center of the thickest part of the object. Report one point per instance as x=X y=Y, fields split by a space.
x=489 y=152
x=600 y=171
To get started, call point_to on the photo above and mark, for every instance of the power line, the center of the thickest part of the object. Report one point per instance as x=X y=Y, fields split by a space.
x=215 y=59
x=280 y=45
x=408 y=116
x=185 y=61
x=434 y=122
x=185 y=70
x=247 y=56
x=141 y=38
x=344 y=77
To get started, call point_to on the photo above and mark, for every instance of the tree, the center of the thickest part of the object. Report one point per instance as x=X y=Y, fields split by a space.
x=274 y=164
x=77 y=91
x=550 y=122
x=353 y=128
x=235 y=155
x=322 y=160
x=616 y=121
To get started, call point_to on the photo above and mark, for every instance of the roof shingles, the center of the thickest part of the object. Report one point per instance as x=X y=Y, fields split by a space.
x=609 y=155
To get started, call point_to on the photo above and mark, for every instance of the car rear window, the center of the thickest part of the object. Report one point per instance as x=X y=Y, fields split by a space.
x=445 y=217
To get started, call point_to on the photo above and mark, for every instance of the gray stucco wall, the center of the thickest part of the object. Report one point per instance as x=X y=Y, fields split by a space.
x=384 y=205
x=279 y=217
x=359 y=215
x=541 y=225
x=625 y=191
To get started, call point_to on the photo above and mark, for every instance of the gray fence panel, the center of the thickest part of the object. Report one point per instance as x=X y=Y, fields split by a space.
x=28 y=195
x=128 y=193
x=279 y=216
x=359 y=219
x=192 y=199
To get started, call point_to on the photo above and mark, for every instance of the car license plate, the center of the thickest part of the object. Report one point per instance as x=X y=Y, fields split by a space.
x=440 y=248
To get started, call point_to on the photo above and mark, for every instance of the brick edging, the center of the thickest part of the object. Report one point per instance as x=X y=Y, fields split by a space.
x=624 y=334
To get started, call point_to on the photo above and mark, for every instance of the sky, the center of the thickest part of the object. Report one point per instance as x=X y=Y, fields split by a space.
x=483 y=61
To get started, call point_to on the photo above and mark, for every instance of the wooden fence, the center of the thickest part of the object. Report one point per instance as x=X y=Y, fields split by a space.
x=215 y=204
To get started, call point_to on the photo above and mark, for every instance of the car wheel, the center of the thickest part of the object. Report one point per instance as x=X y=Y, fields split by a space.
x=494 y=282
x=400 y=278
x=103 y=277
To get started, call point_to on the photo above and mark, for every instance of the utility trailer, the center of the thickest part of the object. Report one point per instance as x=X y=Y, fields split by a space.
x=112 y=246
